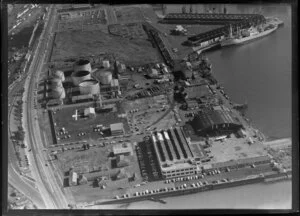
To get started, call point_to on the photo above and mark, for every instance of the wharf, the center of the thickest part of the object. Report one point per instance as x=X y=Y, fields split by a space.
x=210 y=19
x=221 y=185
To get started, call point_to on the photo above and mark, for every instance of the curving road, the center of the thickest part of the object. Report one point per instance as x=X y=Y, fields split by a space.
x=14 y=178
x=49 y=189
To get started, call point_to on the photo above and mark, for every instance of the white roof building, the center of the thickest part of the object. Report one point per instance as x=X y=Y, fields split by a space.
x=90 y=111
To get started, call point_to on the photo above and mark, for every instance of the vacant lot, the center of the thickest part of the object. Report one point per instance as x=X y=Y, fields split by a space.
x=78 y=43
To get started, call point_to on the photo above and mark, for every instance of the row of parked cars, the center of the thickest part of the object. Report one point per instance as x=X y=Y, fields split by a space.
x=187 y=178
x=154 y=191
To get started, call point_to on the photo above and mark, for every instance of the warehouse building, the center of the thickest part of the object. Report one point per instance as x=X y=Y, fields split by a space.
x=89 y=112
x=122 y=149
x=174 y=153
x=215 y=122
x=117 y=129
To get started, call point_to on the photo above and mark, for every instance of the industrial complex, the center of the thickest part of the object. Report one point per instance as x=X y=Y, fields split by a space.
x=121 y=113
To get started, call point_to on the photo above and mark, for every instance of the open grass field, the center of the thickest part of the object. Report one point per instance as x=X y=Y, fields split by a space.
x=78 y=43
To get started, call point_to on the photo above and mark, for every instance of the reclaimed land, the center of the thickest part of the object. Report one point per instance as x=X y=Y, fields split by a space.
x=82 y=43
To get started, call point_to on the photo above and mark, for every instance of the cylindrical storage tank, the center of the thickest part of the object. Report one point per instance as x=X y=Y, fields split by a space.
x=59 y=75
x=82 y=65
x=80 y=76
x=89 y=87
x=54 y=83
x=58 y=93
x=105 y=77
x=106 y=64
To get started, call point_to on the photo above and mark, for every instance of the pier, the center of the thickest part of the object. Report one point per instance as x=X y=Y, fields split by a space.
x=209 y=19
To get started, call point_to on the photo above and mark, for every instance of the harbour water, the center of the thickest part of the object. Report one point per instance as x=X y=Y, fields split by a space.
x=258 y=73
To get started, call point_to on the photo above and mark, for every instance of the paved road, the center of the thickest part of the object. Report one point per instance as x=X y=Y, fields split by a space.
x=45 y=179
x=14 y=177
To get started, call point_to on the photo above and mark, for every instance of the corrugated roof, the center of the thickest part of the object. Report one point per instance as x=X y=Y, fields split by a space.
x=213 y=117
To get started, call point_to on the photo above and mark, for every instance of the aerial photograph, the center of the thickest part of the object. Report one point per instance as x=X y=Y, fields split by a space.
x=149 y=106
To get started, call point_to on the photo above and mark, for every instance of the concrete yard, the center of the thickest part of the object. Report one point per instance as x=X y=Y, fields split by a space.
x=235 y=148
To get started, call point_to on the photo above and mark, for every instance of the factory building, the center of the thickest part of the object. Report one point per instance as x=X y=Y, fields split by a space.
x=90 y=86
x=174 y=153
x=117 y=129
x=215 y=122
x=122 y=149
x=89 y=112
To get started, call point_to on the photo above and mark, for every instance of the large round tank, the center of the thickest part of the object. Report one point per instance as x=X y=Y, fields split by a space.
x=80 y=76
x=55 y=82
x=105 y=77
x=89 y=87
x=58 y=93
x=82 y=65
x=59 y=75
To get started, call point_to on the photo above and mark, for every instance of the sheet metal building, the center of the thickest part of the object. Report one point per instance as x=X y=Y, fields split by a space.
x=215 y=121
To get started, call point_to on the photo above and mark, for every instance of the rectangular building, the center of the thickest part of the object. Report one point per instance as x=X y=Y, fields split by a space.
x=174 y=153
x=117 y=129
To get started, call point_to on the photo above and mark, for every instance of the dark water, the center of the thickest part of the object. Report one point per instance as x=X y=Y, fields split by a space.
x=259 y=72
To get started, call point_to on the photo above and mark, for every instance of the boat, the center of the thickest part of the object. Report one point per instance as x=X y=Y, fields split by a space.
x=248 y=35
x=274 y=21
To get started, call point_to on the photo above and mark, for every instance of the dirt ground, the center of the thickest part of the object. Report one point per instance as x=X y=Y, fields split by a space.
x=134 y=52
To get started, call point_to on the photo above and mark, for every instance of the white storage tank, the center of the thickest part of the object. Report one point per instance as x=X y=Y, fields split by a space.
x=58 y=93
x=106 y=64
x=54 y=83
x=82 y=65
x=80 y=76
x=89 y=87
x=105 y=77
x=59 y=75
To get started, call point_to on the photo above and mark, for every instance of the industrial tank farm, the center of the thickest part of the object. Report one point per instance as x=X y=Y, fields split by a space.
x=59 y=75
x=89 y=87
x=82 y=65
x=105 y=77
x=58 y=93
x=80 y=76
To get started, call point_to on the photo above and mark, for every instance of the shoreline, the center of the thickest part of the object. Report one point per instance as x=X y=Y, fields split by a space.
x=265 y=179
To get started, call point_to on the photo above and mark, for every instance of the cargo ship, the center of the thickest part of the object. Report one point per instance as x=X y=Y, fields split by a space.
x=274 y=21
x=248 y=35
